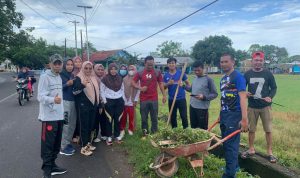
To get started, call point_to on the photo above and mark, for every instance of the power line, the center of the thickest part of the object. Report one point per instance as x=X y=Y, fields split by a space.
x=63 y=9
x=41 y=15
x=171 y=24
x=95 y=10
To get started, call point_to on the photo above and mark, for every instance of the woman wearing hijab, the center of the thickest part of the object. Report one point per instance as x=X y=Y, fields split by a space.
x=100 y=117
x=112 y=93
x=86 y=88
x=77 y=66
x=69 y=108
x=123 y=70
x=131 y=97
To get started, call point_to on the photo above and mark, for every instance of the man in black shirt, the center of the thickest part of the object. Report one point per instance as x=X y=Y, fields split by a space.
x=261 y=89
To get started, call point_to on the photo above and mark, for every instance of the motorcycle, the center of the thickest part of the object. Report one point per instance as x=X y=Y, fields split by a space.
x=23 y=90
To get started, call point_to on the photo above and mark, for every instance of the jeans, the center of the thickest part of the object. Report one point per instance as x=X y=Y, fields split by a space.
x=230 y=122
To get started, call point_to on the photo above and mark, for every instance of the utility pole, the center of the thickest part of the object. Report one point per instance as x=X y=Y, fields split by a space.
x=65 y=48
x=75 y=24
x=81 y=44
x=85 y=21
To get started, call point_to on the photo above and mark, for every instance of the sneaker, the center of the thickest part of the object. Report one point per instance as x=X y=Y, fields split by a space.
x=47 y=175
x=122 y=133
x=97 y=140
x=104 y=138
x=145 y=132
x=86 y=151
x=109 y=141
x=58 y=170
x=130 y=132
x=71 y=148
x=119 y=139
x=91 y=147
x=67 y=151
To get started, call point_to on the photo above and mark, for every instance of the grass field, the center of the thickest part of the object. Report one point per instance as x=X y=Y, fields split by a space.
x=286 y=142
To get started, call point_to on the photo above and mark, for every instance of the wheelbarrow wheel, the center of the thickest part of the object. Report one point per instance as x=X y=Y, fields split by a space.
x=168 y=170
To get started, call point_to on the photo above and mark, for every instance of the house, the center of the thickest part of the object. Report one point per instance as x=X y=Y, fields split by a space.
x=245 y=65
x=107 y=57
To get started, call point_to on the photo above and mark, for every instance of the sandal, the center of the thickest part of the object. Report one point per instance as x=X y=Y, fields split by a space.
x=272 y=159
x=247 y=154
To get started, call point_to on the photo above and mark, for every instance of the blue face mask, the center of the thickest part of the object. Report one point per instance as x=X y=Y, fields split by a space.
x=123 y=72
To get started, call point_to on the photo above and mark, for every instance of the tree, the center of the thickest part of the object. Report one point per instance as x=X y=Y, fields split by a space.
x=211 y=49
x=294 y=58
x=9 y=19
x=171 y=49
x=241 y=55
x=273 y=54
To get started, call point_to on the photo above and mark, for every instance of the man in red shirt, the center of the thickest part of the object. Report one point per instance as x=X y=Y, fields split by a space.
x=149 y=78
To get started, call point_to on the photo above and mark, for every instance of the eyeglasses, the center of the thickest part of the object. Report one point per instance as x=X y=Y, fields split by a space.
x=88 y=68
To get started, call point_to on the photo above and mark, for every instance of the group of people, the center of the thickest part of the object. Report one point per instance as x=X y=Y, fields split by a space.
x=79 y=99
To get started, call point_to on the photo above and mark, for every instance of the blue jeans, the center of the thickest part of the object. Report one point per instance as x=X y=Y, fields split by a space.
x=229 y=122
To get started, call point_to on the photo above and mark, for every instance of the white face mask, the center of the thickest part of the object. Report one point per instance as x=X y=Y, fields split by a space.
x=131 y=72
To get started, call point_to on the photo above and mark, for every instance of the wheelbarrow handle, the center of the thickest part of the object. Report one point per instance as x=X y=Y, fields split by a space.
x=214 y=124
x=151 y=166
x=219 y=141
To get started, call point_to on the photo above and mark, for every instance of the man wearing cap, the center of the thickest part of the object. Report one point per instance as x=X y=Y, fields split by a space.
x=261 y=89
x=51 y=114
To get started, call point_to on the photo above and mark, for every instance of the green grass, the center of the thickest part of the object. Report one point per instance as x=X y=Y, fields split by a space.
x=286 y=142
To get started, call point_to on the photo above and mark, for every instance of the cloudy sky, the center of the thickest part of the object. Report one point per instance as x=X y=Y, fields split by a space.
x=116 y=24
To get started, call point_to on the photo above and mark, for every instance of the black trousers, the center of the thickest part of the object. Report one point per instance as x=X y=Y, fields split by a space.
x=77 y=128
x=87 y=121
x=50 y=143
x=100 y=120
x=181 y=106
x=114 y=107
x=199 y=118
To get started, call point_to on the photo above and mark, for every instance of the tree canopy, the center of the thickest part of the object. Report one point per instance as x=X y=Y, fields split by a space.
x=171 y=49
x=273 y=54
x=211 y=49
x=9 y=19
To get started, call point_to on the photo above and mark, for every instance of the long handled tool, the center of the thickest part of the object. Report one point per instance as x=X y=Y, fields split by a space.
x=176 y=92
x=255 y=97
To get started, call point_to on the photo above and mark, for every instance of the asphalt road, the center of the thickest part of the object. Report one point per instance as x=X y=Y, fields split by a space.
x=20 y=144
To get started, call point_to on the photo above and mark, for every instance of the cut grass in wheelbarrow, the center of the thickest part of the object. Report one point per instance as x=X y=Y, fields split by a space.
x=178 y=145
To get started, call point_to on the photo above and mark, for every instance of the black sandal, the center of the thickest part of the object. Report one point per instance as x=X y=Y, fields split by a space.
x=246 y=154
x=272 y=159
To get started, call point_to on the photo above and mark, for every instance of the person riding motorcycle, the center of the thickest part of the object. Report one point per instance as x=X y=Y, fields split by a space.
x=26 y=74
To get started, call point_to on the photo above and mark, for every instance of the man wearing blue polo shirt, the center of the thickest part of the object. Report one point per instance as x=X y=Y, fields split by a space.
x=171 y=79
x=233 y=115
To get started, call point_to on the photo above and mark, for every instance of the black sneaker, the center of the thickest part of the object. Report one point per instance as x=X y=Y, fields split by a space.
x=58 y=170
x=47 y=175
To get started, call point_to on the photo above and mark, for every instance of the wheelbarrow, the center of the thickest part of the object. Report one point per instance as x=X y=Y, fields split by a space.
x=166 y=163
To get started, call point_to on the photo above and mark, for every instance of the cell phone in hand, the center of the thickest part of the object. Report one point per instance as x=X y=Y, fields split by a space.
x=193 y=95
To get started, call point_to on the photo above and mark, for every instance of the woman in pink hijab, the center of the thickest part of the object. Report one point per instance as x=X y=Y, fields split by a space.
x=131 y=98
x=86 y=89
x=77 y=66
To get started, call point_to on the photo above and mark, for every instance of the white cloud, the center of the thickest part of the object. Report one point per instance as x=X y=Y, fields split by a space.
x=118 y=23
x=254 y=7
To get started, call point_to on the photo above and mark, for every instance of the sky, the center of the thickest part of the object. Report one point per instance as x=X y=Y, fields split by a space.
x=116 y=24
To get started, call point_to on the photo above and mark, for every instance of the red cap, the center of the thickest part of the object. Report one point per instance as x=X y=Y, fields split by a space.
x=259 y=54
